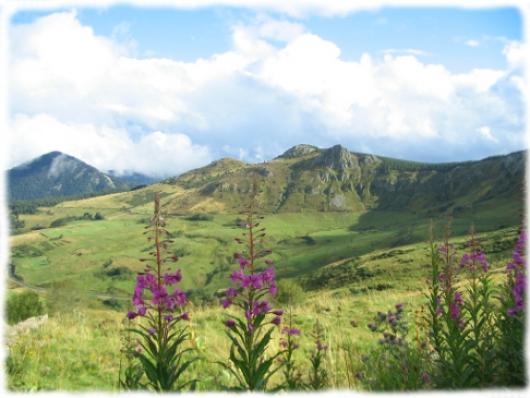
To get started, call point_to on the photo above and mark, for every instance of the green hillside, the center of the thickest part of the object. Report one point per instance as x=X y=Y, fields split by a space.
x=306 y=178
x=350 y=229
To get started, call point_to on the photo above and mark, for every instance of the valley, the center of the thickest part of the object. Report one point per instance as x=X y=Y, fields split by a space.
x=351 y=230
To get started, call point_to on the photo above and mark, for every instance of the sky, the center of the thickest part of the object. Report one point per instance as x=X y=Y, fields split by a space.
x=164 y=90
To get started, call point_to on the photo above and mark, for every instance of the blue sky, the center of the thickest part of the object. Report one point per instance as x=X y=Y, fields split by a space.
x=441 y=32
x=204 y=83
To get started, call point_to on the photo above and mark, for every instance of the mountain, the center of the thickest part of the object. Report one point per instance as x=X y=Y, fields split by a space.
x=304 y=178
x=56 y=174
x=132 y=179
x=307 y=178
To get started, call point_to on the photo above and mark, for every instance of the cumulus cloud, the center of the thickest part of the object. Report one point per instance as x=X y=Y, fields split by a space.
x=278 y=85
x=104 y=147
x=515 y=53
x=472 y=43
x=486 y=133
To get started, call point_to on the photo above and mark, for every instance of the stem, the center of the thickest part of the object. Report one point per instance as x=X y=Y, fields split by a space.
x=158 y=262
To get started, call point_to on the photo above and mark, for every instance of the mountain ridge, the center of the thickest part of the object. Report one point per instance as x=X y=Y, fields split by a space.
x=335 y=179
x=303 y=178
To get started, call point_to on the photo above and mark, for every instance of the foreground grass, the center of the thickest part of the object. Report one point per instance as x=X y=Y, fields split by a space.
x=79 y=349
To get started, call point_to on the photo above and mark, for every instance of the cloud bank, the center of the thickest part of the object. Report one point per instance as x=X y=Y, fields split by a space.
x=279 y=85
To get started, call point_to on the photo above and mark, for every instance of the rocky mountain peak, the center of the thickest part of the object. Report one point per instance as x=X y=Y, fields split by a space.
x=337 y=157
x=298 y=151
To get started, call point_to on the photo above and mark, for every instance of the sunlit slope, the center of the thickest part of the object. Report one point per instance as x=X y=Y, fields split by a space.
x=91 y=262
x=336 y=179
x=384 y=203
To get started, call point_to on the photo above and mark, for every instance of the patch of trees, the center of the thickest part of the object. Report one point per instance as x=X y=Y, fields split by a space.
x=200 y=217
x=120 y=273
x=113 y=303
x=12 y=271
x=30 y=206
x=15 y=222
x=337 y=276
x=59 y=222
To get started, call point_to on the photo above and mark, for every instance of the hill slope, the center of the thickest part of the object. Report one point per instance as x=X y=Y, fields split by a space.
x=306 y=178
x=56 y=174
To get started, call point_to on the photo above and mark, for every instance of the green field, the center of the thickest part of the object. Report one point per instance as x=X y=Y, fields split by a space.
x=350 y=264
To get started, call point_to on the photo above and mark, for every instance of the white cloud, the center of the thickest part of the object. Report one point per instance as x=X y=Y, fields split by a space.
x=479 y=80
x=406 y=51
x=515 y=53
x=278 y=84
x=472 y=43
x=281 y=30
x=104 y=147
x=485 y=131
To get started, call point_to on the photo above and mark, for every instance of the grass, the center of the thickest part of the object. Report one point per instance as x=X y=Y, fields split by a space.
x=78 y=349
x=74 y=255
x=358 y=263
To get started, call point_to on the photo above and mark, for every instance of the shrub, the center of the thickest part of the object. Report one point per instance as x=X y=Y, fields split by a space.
x=396 y=363
x=112 y=303
x=37 y=227
x=12 y=272
x=21 y=306
x=87 y=216
x=98 y=216
x=200 y=217
x=120 y=273
x=289 y=292
x=15 y=222
x=59 y=222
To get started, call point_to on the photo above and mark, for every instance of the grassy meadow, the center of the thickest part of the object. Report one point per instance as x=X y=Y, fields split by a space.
x=351 y=265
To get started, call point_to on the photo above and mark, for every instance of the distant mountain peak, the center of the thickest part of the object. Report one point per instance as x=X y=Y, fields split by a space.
x=227 y=161
x=53 y=154
x=298 y=151
x=337 y=157
x=57 y=174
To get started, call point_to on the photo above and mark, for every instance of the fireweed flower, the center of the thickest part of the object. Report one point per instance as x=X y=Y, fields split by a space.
x=318 y=377
x=471 y=260
x=160 y=306
x=185 y=316
x=291 y=373
x=251 y=332
x=391 y=325
x=291 y=331
x=251 y=285
x=156 y=295
x=447 y=251
x=517 y=274
x=454 y=307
